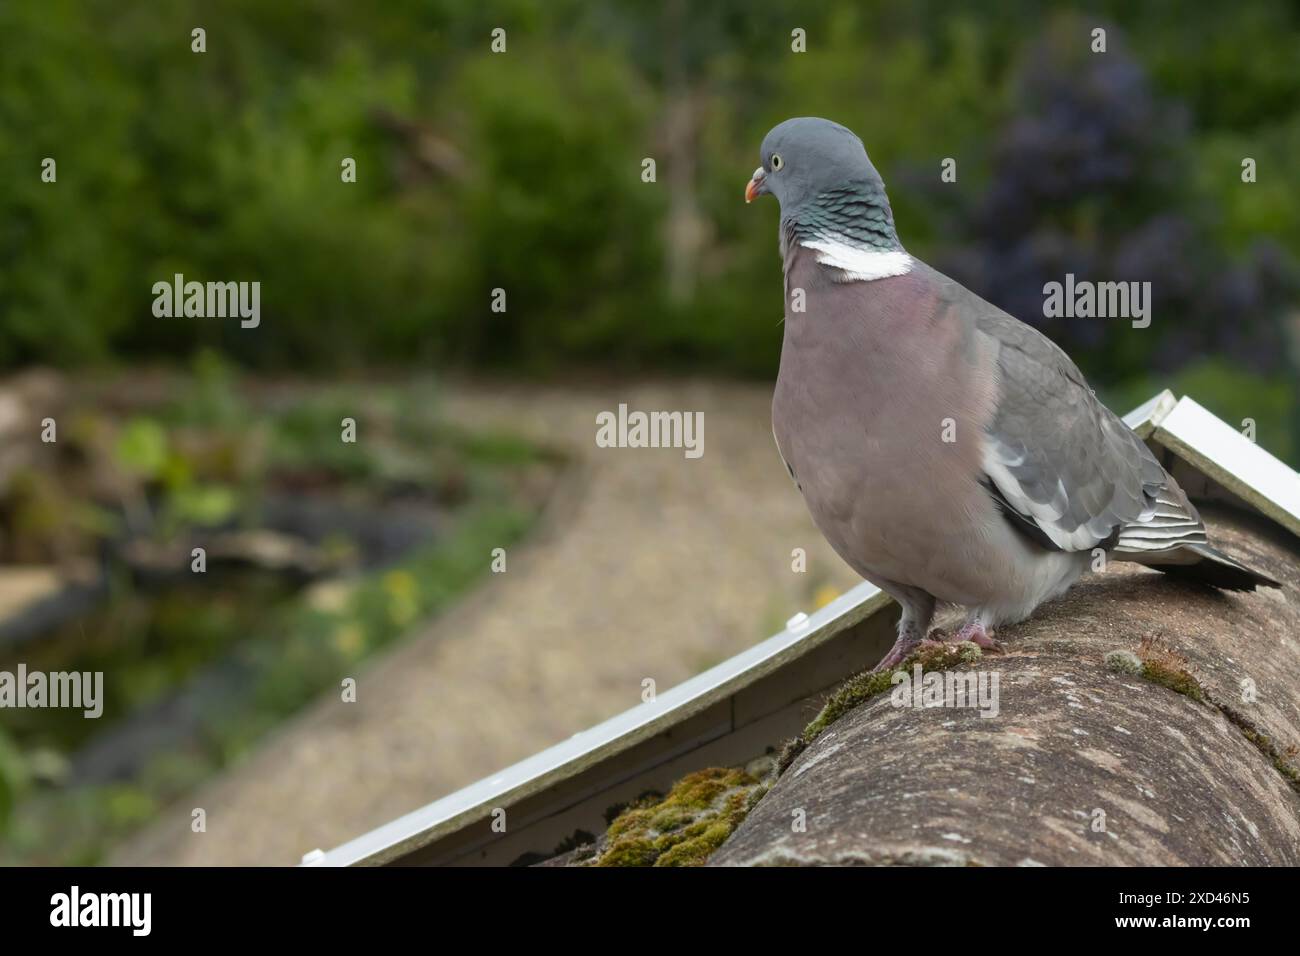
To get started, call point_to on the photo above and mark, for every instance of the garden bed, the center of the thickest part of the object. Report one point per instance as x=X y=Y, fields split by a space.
x=317 y=552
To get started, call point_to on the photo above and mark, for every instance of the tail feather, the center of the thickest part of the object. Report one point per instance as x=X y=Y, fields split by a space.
x=1204 y=563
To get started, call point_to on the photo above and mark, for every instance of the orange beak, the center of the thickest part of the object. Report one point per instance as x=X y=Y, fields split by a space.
x=757 y=185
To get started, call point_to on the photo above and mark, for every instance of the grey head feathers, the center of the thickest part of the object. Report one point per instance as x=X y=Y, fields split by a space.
x=832 y=198
x=806 y=156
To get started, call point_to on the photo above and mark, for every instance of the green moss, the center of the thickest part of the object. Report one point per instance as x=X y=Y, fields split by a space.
x=857 y=690
x=629 y=852
x=671 y=818
x=1174 y=677
x=1263 y=743
x=931 y=656
x=1124 y=662
x=704 y=837
x=1162 y=666
x=684 y=827
x=790 y=752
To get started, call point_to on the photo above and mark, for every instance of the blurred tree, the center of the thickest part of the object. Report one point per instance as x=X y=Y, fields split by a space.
x=1091 y=176
x=521 y=171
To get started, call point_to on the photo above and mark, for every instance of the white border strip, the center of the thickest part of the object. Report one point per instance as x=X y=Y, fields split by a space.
x=1233 y=460
x=1150 y=413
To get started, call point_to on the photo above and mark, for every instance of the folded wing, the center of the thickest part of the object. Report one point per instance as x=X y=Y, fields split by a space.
x=1064 y=468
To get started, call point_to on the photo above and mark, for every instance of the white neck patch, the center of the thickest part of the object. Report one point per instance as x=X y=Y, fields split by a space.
x=859 y=264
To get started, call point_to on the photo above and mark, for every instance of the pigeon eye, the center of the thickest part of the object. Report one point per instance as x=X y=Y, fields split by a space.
x=776 y=162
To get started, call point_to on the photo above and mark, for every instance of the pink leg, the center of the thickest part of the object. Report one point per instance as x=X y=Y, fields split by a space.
x=904 y=646
x=974 y=632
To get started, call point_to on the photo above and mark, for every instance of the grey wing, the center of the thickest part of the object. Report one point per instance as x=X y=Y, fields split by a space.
x=1065 y=469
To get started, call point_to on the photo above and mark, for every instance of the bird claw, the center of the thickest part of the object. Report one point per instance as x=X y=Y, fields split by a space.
x=977 y=635
x=974 y=632
x=897 y=654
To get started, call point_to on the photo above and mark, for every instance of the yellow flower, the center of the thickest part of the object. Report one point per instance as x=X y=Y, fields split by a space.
x=825 y=594
x=402 y=605
x=349 y=640
x=400 y=584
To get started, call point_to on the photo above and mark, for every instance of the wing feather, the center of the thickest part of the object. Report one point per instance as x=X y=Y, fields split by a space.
x=1063 y=467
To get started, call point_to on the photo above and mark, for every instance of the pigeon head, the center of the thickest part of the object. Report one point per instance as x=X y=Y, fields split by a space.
x=805 y=157
x=829 y=191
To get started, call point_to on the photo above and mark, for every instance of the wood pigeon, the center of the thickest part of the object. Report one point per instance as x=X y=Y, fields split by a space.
x=947 y=451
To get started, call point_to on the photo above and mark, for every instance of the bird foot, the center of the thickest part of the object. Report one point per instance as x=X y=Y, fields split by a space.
x=975 y=632
x=902 y=648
